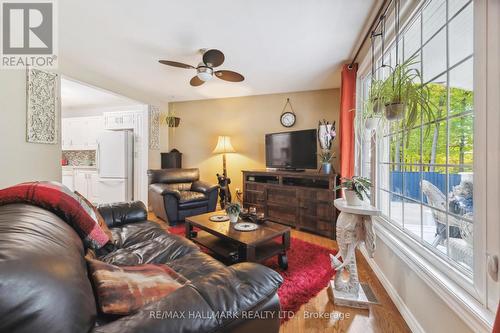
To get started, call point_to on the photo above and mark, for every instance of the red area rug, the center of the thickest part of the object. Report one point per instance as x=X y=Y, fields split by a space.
x=309 y=271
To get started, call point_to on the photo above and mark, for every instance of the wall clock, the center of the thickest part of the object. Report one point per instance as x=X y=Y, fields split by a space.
x=288 y=118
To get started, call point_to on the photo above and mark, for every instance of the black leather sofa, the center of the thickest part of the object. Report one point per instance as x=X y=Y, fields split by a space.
x=44 y=286
x=175 y=194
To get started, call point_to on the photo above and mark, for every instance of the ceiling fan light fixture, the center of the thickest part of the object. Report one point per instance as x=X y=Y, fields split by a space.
x=204 y=73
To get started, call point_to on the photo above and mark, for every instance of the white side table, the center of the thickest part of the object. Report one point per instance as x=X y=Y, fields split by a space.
x=354 y=227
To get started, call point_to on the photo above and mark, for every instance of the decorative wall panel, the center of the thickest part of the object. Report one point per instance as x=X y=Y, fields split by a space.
x=154 y=127
x=42 y=116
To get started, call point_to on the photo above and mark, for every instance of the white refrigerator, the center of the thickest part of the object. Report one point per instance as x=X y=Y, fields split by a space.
x=115 y=157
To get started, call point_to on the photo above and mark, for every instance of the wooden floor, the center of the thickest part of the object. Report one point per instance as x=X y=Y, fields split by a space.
x=382 y=318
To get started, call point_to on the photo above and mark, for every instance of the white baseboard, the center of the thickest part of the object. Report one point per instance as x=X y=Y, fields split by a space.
x=410 y=319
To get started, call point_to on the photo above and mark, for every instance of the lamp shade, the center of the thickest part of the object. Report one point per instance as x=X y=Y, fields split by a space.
x=224 y=145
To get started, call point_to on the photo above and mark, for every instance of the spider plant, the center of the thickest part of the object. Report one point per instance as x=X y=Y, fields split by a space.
x=375 y=104
x=359 y=185
x=403 y=91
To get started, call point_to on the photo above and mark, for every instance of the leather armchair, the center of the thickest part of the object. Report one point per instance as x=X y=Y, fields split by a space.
x=175 y=194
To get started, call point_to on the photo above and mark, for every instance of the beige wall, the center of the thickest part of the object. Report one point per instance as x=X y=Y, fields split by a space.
x=21 y=161
x=246 y=120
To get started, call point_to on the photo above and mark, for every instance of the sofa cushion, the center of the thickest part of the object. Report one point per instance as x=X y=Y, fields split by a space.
x=123 y=290
x=146 y=242
x=190 y=196
x=44 y=285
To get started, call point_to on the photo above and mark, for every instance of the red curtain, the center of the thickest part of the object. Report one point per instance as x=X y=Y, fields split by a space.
x=347 y=113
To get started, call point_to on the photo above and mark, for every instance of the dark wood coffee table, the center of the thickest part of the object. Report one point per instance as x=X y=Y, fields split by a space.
x=233 y=246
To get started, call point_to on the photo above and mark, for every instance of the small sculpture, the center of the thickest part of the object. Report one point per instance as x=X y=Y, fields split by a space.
x=354 y=227
x=224 y=193
x=352 y=231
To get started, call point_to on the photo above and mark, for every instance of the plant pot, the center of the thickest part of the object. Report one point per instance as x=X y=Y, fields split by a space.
x=378 y=107
x=395 y=111
x=173 y=121
x=233 y=218
x=371 y=123
x=351 y=198
x=326 y=168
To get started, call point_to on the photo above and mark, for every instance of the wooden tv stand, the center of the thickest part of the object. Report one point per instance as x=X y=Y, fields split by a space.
x=303 y=200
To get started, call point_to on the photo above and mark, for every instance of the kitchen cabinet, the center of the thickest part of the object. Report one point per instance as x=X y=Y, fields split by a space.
x=81 y=133
x=119 y=120
x=67 y=179
x=86 y=182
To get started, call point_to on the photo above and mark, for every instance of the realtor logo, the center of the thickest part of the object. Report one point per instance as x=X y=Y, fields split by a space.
x=28 y=33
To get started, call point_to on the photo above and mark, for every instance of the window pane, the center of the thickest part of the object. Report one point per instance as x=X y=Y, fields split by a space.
x=384 y=202
x=461 y=246
x=434 y=56
x=461 y=36
x=412 y=218
x=412 y=39
x=384 y=181
x=434 y=17
x=455 y=5
x=439 y=97
x=461 y=88
x=461 y=196
x=397 y=209
x=434 y=186
x=412 y=146
x=396 y=143
x=384 y=149
x=434 y=144
x=396 y=179
x=434 y=228
x=461 y=145
x=411 y=182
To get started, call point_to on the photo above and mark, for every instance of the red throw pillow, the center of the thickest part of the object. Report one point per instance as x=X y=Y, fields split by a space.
x=123 y=290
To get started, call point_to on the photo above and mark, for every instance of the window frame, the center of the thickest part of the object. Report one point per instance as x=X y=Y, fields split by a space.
x=466 y=295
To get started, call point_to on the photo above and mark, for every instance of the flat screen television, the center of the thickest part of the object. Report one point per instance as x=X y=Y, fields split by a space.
x=292 y=150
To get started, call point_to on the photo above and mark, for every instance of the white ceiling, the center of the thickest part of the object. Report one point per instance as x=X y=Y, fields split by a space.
x=278 y=45
x=75 y=95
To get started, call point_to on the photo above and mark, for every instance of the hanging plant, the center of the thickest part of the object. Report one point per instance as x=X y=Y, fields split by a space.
x=403 y=91
x=171 y=120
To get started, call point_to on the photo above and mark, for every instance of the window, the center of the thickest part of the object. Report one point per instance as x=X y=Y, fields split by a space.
x=424 y=174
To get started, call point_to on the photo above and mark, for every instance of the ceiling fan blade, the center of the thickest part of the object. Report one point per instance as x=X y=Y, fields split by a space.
x=195 y=81
x=213 y=58
x=176 y=64
x=229 y=76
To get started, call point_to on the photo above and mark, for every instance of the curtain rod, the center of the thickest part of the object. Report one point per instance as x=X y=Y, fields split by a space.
x=376 y=21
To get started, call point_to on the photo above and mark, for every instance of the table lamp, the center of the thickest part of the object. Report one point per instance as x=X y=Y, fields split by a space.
x=223 y=147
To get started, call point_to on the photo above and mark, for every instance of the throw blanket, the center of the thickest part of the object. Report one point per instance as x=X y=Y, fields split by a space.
x=60 y=200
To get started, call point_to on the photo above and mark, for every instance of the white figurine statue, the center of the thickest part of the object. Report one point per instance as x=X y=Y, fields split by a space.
x=352 y=230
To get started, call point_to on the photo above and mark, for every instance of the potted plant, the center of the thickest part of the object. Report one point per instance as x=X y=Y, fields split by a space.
x=326 y=157
x=355 y=189
x=172 y=121
x=403 y=91
x=370 y=117
x=233 y=211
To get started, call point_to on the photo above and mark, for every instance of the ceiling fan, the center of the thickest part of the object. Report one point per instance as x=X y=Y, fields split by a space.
x=205 y=69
